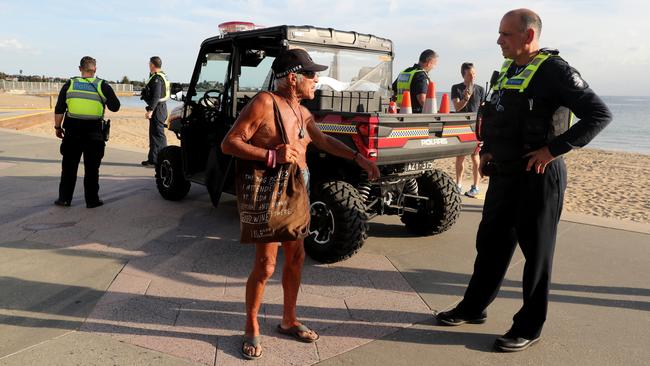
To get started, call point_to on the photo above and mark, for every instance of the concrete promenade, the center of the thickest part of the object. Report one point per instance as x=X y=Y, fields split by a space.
x=144 y=281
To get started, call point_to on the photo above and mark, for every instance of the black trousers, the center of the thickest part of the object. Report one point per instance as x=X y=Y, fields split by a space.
x=72 y=148
x=157 y=138
x=523 y=208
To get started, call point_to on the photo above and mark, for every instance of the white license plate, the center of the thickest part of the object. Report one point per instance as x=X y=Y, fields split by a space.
x=419 y=165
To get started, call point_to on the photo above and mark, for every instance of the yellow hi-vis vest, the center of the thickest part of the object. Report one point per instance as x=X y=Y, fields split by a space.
x=167 y=85
x=404 y=80
x=521 y=80
x=85 y=99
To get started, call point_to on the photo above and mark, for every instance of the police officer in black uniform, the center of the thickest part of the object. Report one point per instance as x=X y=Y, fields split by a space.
x=415 y=79
x=78 y=121
x=526 y=129
x=156 y=93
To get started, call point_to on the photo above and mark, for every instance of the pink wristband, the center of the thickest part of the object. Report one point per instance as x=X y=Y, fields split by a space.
x=274 y=158
x=269 y=158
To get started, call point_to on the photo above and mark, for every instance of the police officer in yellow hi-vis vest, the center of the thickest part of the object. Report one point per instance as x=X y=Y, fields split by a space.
x=526 y=128
x=78 y=121
x=156 y=93
x=416 y=80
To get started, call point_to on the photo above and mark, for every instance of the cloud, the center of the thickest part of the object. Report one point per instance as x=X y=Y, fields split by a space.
x=11 y=44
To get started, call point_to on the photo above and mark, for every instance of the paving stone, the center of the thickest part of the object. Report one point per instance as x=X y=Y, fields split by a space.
x=139 y=315
x=392 y=281
x=60 y=237
x=364 y=261
x=81 y=348
x=11 y=233
x=144 y=266
x=224 y=317
x=226 y=264
x=125 y=287
x=189 y=346
x=349 y=335
x=193 y=286
x=320 y=280
x=388 y=308
x=290 y=350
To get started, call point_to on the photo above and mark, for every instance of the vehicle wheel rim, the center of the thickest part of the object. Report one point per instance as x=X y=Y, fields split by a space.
x=321 y=227
x=166 y=173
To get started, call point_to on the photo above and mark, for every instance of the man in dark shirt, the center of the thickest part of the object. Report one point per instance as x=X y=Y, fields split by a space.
x=155 y=94
x=467 y=97
x=416 y=80
x=78 y=121
x=525 y=128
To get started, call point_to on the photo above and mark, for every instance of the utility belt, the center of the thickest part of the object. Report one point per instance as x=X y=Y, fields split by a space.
x=510 y=168
x=504 y=168
x=93 y=129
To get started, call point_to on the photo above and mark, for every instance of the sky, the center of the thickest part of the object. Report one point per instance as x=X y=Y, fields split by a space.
x=605 y=40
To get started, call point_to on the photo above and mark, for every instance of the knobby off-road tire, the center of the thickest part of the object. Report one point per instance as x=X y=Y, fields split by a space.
x=338 y=222
x=170 y=180
x=442 y=209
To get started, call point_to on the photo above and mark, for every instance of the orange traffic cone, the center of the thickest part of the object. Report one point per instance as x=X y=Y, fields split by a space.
x=392 y=107
x=406 y=103
x=444 y=104
x=431 y=104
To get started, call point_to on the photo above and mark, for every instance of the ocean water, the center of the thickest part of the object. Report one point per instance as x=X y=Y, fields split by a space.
x=629 y=131
x=630 y=128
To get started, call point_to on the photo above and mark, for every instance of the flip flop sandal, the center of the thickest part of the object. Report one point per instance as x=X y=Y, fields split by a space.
x=251 y=341
x=294 y=332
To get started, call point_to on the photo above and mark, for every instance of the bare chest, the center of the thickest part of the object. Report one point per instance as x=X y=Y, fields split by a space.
x=269 y=134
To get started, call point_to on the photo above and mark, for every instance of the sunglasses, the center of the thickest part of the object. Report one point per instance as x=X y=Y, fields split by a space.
x=308 y=74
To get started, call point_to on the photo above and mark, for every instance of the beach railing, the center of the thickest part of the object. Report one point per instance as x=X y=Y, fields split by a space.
x=37 y=87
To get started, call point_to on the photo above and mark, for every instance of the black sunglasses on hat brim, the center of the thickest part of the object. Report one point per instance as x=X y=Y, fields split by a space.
x=296 y=61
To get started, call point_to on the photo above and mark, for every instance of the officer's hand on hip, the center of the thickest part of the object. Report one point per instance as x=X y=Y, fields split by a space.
x=148 y=114
x=484 y=160
x=539 y=159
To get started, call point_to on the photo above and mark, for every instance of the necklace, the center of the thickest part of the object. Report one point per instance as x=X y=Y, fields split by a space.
x=301 y=132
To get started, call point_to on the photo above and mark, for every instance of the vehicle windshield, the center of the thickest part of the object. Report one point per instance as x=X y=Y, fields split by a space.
x=214 y=70
x=351 y=70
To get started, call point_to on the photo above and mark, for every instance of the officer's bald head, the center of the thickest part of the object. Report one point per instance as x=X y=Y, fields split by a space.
x=528 y=19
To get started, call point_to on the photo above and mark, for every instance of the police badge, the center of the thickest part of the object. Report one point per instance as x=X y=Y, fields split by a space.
x=577 y=80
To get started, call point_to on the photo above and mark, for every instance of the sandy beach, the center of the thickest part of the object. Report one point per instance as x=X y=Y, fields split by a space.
x=129 y=128
x=8 y=100
x=601 y=183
